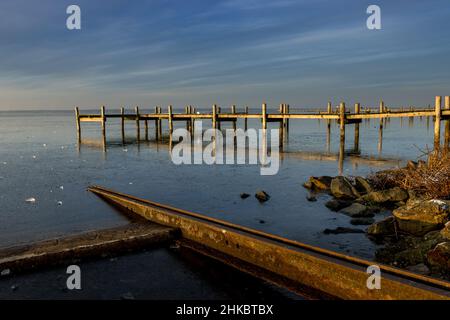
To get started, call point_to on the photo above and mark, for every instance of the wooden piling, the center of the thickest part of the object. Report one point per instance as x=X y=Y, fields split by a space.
x=102 y=114
x=214 y=116
x=342 y=137
x=122 y=122
x=264 y=116
x=329 y=108
x=146 y=129
x=169 y=110
x=233 y=112
x=356 y=142
x=138 y=128
x=447 y=123
x=245 y=120
x=156 y=125
x=437 y=122
x=77 y=119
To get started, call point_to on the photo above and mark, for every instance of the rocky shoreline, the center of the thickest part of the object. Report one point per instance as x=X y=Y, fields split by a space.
x=416 y=234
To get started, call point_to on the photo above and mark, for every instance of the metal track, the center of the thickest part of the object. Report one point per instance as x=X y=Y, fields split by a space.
x=292 y=263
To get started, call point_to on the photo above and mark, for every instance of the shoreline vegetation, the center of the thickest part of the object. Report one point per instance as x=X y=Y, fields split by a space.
x=416 y=234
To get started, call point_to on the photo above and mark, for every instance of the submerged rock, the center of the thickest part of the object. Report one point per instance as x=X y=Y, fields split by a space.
x=386 y=196
x=318 y=183
x=356 y=210
x=341 y=188
x=336 y=205
x=362 y=221
x=422 y=217
x=311 y=198
x=382 y=228
x=439 y=258
x=262 y=196
x=420 y=268
x=244 y=195
x=340 y=230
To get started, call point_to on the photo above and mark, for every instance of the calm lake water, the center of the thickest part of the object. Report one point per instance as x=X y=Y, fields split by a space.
x=40 y=158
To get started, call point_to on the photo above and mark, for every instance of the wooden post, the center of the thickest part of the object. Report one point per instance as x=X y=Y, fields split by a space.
x=233 y=111
x=356 y=142
x=146 y=129
x=160 y=124
x=122 y=118
x=287 y=120
x=156 y=125
x=214 y=116
x=437 y=122
x=245 y=120
x=102 y=113
x=138 y=128
x=342 y=137
x=264 y=116
x=329 y=108
x=169 y=109
x=77 y=119
x=447 y=122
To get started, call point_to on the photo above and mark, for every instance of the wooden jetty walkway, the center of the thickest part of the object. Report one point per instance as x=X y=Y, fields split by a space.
x=341 y=115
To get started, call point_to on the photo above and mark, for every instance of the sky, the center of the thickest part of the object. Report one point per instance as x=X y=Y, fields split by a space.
x=202 y=52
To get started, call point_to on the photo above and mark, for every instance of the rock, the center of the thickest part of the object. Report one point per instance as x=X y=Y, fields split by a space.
x=422 y=217
x=355 y=210
x=336 y=205
x=262 y=196
x=387 y=196
x=340 y=230
x=362 y=185
x=362 y=221
x=439 y=257
x=445 y=232
x=382 y=228
x=311 y=198
x=341 y=188
x=244 y=195
x=127 y=296
x=420 y=268
x=318 y=183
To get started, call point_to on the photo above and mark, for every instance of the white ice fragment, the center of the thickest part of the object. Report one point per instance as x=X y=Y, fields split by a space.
x=4 y=162
x=61 y=187
x=31 y=200
x=5 y=272
x=125 y=150
x=34 y=157
x=59 y=203
x=130 y=182
x=44 y=144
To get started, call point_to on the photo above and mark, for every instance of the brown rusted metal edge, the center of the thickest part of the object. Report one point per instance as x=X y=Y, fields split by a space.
x=336 y=274
x=92 y=244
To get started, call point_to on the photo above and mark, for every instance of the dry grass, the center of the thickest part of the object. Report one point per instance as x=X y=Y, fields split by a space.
x=430 y=178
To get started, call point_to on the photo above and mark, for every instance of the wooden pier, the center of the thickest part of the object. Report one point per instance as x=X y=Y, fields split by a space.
x=342 y=115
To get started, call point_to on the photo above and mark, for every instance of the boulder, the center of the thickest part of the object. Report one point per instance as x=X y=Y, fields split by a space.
x=422 y=217
x=320 y=183
x=382 y=228
x=244 y=195
x=340 y=230
x=341 y=188
x=386 y=196
x=362 y=185
x=355 y=210
x=336 y=205
x=262 y=196
x=311 y=198
x=439 y=257
x=445 y=232
x=362 y=221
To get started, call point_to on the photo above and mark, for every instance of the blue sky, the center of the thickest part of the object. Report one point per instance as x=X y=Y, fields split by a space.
x=227 y=52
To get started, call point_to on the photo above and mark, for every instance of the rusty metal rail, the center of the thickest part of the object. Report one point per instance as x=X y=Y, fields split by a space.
x=285 y=262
